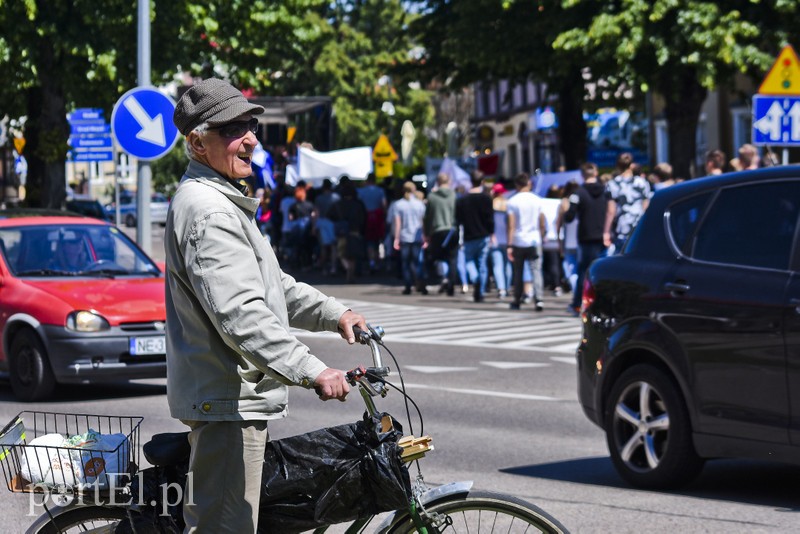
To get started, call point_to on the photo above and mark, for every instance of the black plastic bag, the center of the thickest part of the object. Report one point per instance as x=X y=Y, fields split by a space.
x=333 y=475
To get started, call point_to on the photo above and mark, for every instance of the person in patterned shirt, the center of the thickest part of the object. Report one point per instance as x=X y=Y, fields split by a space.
x=630 y=194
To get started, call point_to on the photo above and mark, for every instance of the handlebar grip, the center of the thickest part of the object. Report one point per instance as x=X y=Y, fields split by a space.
x=361 y=335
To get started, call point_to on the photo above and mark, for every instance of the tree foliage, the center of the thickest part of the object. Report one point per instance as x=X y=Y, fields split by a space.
x=63 y=54
x=475 y=40
x=682 y=49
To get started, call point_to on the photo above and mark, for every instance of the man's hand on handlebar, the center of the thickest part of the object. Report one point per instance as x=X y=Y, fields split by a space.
x=332 y=384
x=347 y=321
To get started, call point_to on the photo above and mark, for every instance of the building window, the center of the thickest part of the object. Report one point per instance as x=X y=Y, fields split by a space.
x=513 y=160
x=741 y=125
x=662 y=140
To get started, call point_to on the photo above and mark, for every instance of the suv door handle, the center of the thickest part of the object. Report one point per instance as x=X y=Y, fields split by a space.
x=676 y=287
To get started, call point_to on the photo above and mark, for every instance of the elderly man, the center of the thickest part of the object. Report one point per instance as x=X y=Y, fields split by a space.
x=230 y=353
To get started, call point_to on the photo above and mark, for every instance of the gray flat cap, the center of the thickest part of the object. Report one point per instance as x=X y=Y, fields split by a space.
x=213 y=101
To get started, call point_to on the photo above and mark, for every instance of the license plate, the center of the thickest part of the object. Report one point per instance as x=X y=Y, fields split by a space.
x=141 y=346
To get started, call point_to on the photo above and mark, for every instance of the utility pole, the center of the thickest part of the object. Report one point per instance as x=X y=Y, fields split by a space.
x=145 y=176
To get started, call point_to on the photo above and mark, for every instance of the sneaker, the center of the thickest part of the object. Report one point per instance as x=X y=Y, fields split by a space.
x=558 y=291
x=407 y=291
x=527 y=299
x=502 y=294
x=539 y=305
x=464 y=289
x=513 y=306
x=423 y=290
x=478 y=298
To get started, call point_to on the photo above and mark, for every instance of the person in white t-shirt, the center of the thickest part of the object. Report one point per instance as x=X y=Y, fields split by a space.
x=526 y=234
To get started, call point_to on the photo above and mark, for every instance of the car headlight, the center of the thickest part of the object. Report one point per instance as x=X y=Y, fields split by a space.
x=86 y=321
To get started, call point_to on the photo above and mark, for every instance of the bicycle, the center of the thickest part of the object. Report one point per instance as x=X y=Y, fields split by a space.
x=452 y=507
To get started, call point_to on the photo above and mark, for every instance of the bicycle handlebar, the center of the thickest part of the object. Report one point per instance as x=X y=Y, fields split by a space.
x=372 y=337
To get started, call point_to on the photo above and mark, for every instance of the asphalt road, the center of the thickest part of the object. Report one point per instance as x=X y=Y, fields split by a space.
x=507 y=419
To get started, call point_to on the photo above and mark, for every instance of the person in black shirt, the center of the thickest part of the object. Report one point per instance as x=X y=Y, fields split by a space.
x=474 y=212
x=589 y=204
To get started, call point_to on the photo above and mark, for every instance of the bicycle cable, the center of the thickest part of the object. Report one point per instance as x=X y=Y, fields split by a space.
x=402 y=391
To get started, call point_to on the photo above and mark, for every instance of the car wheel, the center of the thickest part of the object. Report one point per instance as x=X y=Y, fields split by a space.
x=130 y=221
x=30 y=374
x=648 y=430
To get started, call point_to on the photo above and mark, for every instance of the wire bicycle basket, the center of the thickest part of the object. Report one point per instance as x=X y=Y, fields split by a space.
x=44 y=452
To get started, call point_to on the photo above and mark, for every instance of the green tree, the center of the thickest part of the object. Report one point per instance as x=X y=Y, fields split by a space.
x=681 y=49
x=316 y=47
x=475 y=40
x=62 y=54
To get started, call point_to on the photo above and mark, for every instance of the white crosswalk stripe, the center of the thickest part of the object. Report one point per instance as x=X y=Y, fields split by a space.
x=472 y=328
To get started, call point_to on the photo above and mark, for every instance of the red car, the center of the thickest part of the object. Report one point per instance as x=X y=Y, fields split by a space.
x=79 y=302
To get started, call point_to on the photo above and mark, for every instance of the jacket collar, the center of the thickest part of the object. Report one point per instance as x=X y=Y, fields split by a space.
x=206 y=175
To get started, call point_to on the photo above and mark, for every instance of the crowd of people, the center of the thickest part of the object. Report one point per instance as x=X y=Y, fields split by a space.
x=496 y=238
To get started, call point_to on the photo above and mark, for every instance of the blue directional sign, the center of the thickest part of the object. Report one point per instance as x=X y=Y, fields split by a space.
x=776 y=120
x=86 y=114
x=142 y=123
x=90 y=136
x=84 y=142
x=105 y=155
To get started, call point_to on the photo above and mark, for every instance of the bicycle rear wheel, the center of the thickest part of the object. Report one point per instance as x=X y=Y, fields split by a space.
x=89 y=519
x=480 y=512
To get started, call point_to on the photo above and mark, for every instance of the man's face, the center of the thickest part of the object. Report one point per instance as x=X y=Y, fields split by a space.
x=229 y=148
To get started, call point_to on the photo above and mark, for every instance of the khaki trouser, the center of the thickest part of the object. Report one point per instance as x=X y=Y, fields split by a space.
x=226 y=464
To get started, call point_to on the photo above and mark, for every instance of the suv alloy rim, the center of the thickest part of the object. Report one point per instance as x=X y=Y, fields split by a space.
x=641 y=427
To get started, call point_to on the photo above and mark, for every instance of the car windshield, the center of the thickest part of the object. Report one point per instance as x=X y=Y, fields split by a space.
x=72 y=250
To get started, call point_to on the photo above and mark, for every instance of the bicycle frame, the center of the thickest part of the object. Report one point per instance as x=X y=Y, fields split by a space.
x=368 y=390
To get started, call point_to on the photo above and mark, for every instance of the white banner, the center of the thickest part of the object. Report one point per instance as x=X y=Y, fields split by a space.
x=354 y=162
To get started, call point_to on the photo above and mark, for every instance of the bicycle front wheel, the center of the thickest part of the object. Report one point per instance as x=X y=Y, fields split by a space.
x=94 y=519
x=479 y=512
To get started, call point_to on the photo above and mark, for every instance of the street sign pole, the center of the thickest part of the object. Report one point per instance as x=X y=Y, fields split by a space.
x=145 y=172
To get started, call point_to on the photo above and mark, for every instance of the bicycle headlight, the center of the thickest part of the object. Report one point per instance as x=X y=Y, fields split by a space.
x=86 y=321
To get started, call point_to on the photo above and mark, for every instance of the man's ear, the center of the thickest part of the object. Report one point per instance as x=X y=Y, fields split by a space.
x=196 y=143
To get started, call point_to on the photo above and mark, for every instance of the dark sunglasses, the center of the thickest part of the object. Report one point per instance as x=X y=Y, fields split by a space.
x=236 y=129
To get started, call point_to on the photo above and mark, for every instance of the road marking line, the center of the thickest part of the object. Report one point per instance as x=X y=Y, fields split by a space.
x=565 y=359
x=514 y=365
x=432 y=369
x=484 y=393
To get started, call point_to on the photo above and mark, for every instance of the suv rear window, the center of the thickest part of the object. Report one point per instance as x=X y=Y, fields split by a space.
x=752 y=225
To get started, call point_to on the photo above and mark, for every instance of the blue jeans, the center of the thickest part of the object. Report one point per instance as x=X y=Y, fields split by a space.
x=587 y=253
x=410 y=263
x=570 y=265
x=476 y=252
x=466 y=271
x=501 y=267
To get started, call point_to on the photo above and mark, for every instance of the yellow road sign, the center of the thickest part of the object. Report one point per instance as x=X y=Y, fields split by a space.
x=384 y=156
x=783 y=79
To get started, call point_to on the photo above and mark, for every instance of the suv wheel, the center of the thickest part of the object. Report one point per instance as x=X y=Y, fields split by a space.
x=29 y=369
x=648 y=430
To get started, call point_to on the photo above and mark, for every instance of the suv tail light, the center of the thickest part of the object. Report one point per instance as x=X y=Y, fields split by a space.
x=588 y=295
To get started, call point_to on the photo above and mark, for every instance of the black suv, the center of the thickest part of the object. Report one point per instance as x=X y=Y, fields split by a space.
x=691 y=336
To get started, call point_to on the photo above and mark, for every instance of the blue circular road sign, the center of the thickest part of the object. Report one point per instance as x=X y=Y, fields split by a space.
x=142 y=123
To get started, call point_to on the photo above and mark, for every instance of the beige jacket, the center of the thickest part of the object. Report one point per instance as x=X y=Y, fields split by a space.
x=230 y=354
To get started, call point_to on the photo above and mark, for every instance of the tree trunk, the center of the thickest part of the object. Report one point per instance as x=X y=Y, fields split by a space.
x=684 y=97
x=46 y=132
x=571 y=126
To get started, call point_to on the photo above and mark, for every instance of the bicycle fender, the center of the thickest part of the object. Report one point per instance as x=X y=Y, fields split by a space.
x=55 y=511
x=446 y=490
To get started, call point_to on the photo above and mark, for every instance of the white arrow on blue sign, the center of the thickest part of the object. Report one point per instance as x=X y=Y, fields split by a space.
x=776 y=120
x=142 y=123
